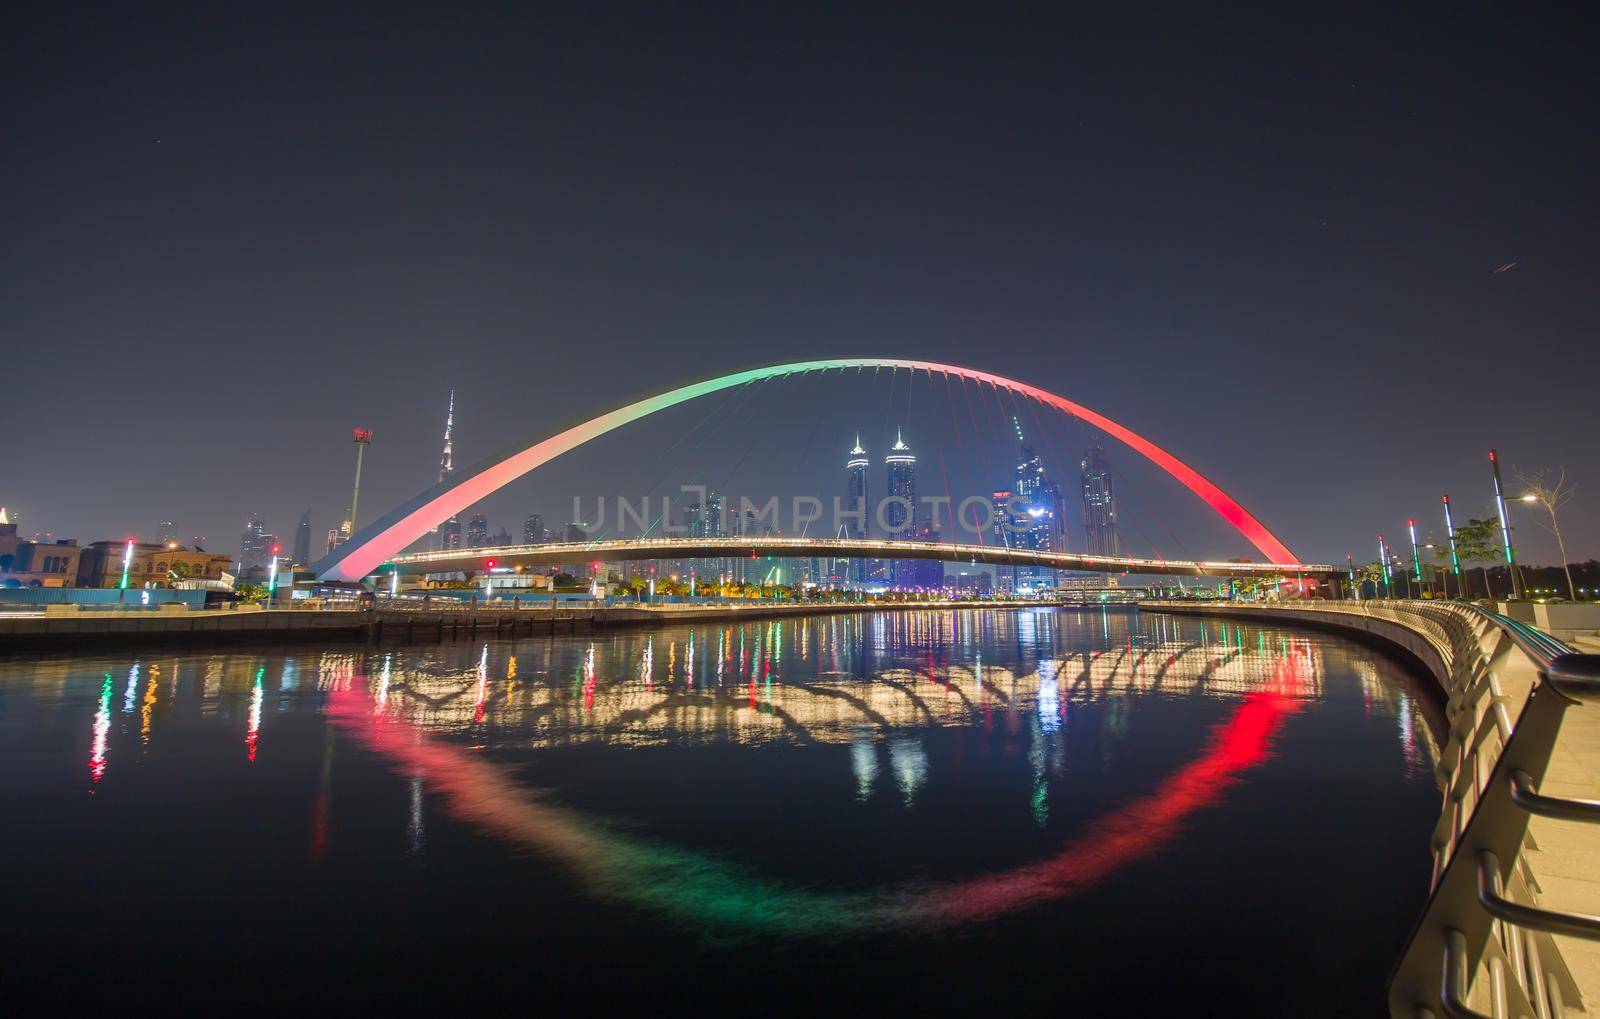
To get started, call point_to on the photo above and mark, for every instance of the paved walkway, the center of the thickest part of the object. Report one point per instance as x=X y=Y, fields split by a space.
x=1567 y=862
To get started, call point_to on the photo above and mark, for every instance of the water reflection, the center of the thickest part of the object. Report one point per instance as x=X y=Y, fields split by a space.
x=464 y=729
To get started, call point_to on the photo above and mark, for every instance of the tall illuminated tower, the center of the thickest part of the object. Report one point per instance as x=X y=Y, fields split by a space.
x=1099 y=504
x=900 y=508
x=856 y=503
x=450 y=531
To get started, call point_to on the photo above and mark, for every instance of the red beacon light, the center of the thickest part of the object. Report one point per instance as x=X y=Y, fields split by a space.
x=489 y=565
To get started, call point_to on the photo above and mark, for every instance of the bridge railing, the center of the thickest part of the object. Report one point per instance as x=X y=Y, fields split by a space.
x=1484 y=941
x=1484 y=945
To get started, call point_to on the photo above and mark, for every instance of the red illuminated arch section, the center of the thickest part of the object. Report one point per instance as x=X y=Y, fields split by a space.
x=376 y=542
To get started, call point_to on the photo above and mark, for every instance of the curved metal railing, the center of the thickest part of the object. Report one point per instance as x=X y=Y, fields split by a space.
x=1484 y=940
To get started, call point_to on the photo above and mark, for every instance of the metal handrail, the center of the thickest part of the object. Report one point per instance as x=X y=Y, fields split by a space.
x=1553 y=921
x=1525 y=795
x=1482 y=917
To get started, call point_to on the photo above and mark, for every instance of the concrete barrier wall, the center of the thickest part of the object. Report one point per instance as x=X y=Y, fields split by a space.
x=1412 y=643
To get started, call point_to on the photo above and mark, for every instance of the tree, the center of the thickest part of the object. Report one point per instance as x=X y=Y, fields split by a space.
x=251 y=592
x=1441 y=555
x=1370 y=573
x=1552 y=497
x=179 y=572
x=1477 y=541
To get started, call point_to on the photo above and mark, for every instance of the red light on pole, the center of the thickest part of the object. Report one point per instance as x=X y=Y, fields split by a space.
x=489 y=565
x=362 y=436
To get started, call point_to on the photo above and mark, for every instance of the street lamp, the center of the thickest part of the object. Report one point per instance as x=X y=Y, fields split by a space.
x=1416 y=559
x=127 y=562
x=1505 y=528
x=1383 y=557
x=1455 y=559
x=272 y=579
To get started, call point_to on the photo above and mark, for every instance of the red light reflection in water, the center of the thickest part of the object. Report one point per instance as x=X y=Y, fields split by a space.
x=483 y=794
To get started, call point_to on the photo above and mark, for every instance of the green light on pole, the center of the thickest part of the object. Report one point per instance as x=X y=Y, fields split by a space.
x=127 y=562
x=1416 y=558
x=1383 y=558
x=1450 y=529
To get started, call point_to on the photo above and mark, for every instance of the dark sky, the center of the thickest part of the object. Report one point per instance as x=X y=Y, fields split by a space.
x=1268 y=242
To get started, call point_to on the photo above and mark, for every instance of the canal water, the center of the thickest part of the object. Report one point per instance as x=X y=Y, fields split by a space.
x=1091 y=812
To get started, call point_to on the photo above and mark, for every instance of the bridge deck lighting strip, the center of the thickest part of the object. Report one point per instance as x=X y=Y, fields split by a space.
x=386 y=536
x=804 y=547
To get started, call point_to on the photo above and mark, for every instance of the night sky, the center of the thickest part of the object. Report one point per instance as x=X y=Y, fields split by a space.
x=1267 y=242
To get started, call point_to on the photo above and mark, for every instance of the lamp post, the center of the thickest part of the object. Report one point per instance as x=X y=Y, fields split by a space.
x=362 y=439
x=127 y=563
x=1505 y=528
x=1383 y=558
x=1350 y=564
x=1455 y=558
x=1416 y=558
x=272 y=579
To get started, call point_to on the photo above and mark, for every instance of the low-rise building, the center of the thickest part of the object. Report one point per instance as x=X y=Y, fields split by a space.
x=153 y=564
x=25 y=563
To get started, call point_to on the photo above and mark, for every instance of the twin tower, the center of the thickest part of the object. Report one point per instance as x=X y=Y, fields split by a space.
x=900 y=468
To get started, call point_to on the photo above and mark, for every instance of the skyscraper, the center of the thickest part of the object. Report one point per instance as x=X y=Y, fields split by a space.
x=533 y=530
x=449 y=533
x=856 y=526
x=900 y=505
x=255 y=549
x=477 y=531
x=167 y=533
x=1099 y=504
x=1038 y=524
x=704 y=520
x=302 y=540
x=452 y=527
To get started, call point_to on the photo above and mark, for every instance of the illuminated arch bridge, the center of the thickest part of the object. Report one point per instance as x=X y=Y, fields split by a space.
x=384 y=539
x=734 y=547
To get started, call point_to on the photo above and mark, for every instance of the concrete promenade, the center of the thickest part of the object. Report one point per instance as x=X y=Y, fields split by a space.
x=1563 y=855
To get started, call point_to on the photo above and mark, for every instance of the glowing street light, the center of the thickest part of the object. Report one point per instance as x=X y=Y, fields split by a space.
x=272 y=578
x=1455 y=558
x=127 y=563
x=1383 y=557
x=1505 y=527
x=1416 y=559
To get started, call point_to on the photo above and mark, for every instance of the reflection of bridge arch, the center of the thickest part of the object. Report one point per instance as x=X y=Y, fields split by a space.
x=404 y=524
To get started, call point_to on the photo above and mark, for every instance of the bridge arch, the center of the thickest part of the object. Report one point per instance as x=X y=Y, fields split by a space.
x=371 y=546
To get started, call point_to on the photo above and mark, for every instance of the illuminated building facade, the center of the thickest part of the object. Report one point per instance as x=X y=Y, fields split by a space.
x=900 y=506
x=152 y=564
x=255 y=548
x=477 y=531
x=1099 y=504
x=856 y=507
x=533 y=532
x=26 y=563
